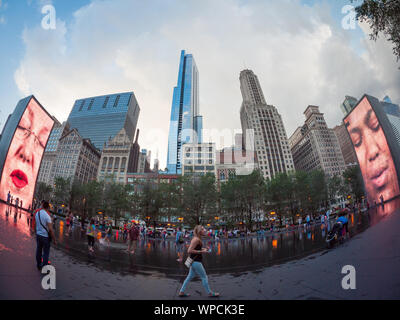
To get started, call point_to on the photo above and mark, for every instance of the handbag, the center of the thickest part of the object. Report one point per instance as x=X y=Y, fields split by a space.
x=48 y=233
x=189 y=262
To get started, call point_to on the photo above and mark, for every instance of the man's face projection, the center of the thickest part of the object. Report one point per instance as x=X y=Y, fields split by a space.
x=25 y=154
x=373 y=153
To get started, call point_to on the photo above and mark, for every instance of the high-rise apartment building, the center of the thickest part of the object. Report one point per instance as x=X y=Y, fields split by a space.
x=315 y=147
x=102 y=118
x=186 y=123
x=47 y=170
x=346 y=145
x=263 y=129
x=77 y=158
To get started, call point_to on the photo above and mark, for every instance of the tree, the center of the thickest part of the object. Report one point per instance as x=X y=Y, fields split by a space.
x=62 y=190
x=43 y=191
x=116 y=199
x=353 y=178
x=198 y=197
x=383 y=16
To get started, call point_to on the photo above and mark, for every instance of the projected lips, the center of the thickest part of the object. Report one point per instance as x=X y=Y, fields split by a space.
x=19 y=179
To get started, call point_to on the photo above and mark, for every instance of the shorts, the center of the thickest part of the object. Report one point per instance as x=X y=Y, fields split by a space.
x=179 y=247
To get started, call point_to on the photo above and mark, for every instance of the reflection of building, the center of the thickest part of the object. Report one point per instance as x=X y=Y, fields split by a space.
x=185 y=118
x=198 y=158
x=77 y=158
x=232 y=162
x=270 y=140
x=119 y=156
x=348 y=104
x=315 y=146
x=346 y=146
x=102 y=118
x=47 y=170
x=393 y=113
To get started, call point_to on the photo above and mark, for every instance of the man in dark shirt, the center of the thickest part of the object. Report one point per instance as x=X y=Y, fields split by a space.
x=133 y=238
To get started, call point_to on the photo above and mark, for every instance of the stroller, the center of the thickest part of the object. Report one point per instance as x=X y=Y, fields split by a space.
x=335 y=235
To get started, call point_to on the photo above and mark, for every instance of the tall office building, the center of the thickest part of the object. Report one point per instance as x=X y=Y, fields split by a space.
x=346 y=145
x=186 y=123
x=263 y=129
x=348 y=104
x=102 y=118
x=77 y=158
x=315 y=146
x=47 y=168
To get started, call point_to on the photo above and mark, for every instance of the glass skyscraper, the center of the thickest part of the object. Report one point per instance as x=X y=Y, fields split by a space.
x=186 y=123
x=102 y=118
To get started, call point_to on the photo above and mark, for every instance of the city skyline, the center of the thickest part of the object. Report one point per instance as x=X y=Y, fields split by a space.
x=145 y=61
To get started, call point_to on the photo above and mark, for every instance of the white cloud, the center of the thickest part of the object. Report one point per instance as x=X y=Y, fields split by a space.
x=298 y=53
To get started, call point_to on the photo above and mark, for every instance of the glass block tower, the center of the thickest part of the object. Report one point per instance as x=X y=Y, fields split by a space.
x=101 y=118
x=186 y=123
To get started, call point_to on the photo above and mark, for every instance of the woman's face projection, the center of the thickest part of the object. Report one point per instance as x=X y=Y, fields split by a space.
x=25 y=154
x=373 y=153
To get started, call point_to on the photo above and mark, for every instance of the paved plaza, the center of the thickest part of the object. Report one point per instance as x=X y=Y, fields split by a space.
x=375 y=254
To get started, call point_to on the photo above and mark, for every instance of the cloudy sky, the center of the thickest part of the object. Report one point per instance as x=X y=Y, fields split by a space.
x=299 y=50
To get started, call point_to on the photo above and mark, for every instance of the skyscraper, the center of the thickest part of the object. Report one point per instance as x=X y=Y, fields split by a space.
x=102 y=118
x=348 y=104
x=315 y=146
x=186 y=123
x=270 y=140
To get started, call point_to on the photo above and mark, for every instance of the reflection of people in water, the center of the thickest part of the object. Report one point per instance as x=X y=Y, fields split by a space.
x=25 y=154
x=373 y=153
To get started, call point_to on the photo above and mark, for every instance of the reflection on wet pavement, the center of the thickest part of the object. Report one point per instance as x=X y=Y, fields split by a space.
x=228 y=255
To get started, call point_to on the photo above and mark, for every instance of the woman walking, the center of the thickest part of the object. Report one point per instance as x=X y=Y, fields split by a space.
x=196 y=252
x=90 y=232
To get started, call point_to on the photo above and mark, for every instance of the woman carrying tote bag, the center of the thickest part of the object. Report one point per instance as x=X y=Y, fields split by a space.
x=194 y=262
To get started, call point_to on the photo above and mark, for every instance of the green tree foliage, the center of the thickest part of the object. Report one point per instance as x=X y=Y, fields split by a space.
x=383 y=16
x=353 y=178
x=43 y=191
x=198 y=197
x=62 y=191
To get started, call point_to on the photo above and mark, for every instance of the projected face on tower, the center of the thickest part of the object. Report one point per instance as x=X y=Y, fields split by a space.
x=25 y=154
x=373 y=153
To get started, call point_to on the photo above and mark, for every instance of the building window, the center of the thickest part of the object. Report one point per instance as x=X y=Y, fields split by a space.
x=116 y=165
x=110 y=164
x=116 y=101
x=123 y=165
x=81 y=107
x=106 y=102
x=91 y=104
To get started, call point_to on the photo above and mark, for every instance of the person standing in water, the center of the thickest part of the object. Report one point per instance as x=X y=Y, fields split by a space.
x=196 y=252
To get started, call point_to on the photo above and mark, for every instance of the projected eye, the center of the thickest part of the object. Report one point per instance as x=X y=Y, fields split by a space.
x=357 y=139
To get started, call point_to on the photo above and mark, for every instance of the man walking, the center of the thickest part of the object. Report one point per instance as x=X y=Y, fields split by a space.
x=44 y=234
x=133 y=237
x=179 y=243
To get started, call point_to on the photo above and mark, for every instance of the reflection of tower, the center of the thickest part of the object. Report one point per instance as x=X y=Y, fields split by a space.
x=186 y=123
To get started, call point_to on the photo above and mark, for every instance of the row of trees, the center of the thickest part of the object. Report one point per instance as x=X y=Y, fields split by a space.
x=197 y=200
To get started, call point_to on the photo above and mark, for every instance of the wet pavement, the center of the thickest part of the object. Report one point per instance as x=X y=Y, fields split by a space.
x=227 y=255
x=153 y=272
